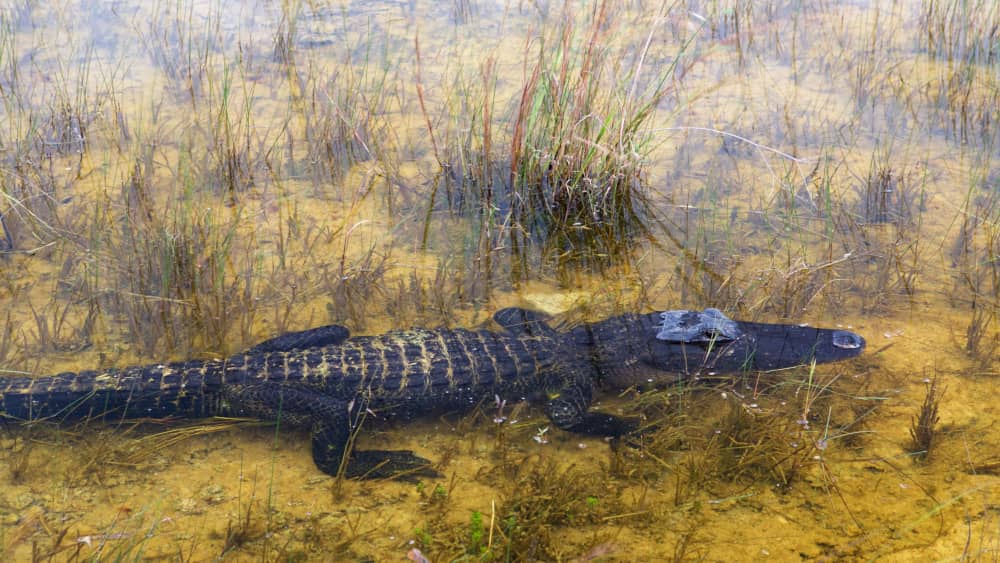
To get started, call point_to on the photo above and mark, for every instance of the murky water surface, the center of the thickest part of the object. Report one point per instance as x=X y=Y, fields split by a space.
x=184 y=179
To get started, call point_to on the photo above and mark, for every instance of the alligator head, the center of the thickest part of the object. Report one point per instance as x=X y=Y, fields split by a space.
x=730 y=345
x=641 y=348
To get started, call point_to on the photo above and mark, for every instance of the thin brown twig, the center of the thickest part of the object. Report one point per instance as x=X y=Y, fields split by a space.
x=420 y=97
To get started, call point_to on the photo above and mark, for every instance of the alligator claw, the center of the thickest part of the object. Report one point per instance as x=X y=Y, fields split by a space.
x=389 y=464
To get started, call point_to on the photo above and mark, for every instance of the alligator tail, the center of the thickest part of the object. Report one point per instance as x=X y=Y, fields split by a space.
x=154 y=391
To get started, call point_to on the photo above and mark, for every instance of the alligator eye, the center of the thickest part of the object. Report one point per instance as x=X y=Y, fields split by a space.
x=716 y=336
x=847 y=340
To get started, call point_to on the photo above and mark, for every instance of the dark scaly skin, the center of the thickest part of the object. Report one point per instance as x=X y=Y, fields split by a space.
x=326 y=381
x=624 y=350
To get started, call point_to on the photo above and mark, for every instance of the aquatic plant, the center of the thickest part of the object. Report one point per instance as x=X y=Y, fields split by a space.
x=923 y=428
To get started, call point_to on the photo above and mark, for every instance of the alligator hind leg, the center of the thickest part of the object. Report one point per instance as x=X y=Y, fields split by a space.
x=331 y=422
x=329 y=444
x=523 y=321
x=329 y=335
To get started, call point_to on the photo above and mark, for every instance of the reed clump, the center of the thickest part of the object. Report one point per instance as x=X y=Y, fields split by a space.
x=964 y=32
x=888 y=194
x=923 y=427
x=576 y=148
x=774 y=430
x=758 y=444
x=175 y=284
x=975 y=256
x=343 y=120
x=566 y=182
x=871 y=248
x=13 y=348
x=964 y=39
x=543 y=497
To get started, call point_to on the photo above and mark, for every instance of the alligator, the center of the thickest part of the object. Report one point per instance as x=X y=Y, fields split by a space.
x=327 y=381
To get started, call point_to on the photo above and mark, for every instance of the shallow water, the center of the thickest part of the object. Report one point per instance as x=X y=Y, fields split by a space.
x=182 y=180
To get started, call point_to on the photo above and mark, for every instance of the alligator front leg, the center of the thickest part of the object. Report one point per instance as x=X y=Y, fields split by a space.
x=332 y=422
x=568 y=410
x=567 y=407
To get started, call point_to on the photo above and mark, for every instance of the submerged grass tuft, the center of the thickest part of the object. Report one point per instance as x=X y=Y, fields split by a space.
x=578 y=139
x=544 y=496
x=566 y=182
x=923 y=431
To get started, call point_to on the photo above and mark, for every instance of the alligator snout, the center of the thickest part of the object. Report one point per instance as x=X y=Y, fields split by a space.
x=847 y=340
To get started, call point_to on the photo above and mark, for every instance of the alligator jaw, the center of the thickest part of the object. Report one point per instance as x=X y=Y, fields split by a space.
x=703 y=343
x=784 y=346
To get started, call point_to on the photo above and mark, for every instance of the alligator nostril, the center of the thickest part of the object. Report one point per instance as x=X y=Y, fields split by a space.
x=847 y=340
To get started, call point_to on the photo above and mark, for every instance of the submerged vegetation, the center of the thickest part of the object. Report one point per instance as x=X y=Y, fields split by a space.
x=182 y=180
x=923 y=430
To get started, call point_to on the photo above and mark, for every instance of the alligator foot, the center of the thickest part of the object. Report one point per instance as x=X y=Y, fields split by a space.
x=330 y=445
x=373 y=464
x=604 y=425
